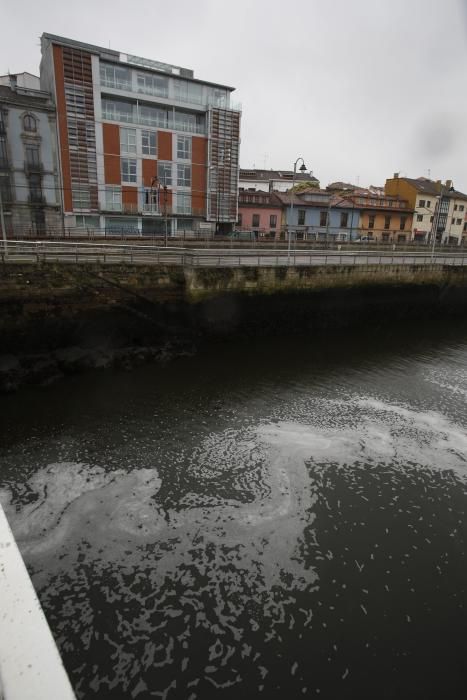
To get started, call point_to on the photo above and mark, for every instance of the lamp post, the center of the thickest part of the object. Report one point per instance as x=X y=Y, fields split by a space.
x=303 y=170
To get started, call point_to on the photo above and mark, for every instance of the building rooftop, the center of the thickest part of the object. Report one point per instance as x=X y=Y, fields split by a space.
x=267 y=175
x=25 y=98
x=312 y=197
x=128 y=59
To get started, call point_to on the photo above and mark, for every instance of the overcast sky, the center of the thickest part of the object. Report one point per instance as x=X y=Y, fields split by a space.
x=359 y=88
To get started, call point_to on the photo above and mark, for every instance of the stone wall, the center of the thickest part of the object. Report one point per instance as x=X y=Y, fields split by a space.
x=51 y=305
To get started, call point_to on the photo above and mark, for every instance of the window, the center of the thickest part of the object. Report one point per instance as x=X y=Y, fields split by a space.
x=453 y=221
x=387 y=222
x=301 y=217
x=455 y=207
x=255 y=220
x=29 y=123
x=183 y=175
x=458 y=222
x=428 y=203
x=35 y=187
x=148 y=143
x=32 y=155
x=273 y=220
x=118 y=111
x=128 y=169
x=239 y=219
x=164 y=173
x=115 y=76
x=183 y=203
x=87 y=221
x=127 y=140
x=419 y=217
x=188 y=92
x=113 y=198
x=184 y=147
x=153 y=84
x=3 y=153
x=385 y=237
x=401 y=237
x=431 y=219
x=150 y=200
x=371 y=221
x=81 y=198
x=323 y=218
x=344 y=219
x=421 y=203
x=461 y=207
x=153 y=116
x=402 y=225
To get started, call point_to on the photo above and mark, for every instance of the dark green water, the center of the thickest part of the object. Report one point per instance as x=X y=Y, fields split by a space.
x=268 y=519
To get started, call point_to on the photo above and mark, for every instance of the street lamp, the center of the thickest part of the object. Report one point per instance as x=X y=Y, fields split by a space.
x=303 y=169
x=155 y=181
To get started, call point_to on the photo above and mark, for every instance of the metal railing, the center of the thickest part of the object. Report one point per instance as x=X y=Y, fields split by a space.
x=81 y=252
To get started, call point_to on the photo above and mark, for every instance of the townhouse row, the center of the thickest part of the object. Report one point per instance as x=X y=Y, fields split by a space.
x=406 y=210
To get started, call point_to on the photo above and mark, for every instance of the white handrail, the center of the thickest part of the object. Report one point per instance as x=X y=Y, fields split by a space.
x=30 y=664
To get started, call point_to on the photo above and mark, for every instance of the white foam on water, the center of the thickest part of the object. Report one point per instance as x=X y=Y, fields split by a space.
x=239 y=546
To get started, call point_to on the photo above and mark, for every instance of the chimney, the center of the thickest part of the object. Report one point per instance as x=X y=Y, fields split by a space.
x=396 y=176
x=13 y=82
x=449 y=184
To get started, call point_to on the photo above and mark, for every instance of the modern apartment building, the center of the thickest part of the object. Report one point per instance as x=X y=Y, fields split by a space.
x=29 y=184
x=143 y=145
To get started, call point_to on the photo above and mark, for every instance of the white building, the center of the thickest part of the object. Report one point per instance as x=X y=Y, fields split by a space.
x=29 y=184
x=272 y=180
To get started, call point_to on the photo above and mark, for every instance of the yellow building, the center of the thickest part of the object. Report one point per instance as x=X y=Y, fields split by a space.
x=426 y=197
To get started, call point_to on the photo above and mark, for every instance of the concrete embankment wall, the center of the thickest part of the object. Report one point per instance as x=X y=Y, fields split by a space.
x=50 y=305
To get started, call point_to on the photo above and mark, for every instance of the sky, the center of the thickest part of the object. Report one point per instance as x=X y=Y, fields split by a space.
x=359 y=89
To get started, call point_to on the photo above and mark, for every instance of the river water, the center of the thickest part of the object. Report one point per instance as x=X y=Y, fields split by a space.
x=269 y=519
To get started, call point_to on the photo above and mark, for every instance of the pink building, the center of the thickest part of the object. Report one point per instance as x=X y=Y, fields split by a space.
x=258 y=212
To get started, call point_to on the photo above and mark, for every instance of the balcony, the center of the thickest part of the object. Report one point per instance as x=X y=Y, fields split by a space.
x=36 y=199
x=151 y=210
x=180 y=98
x=131 y=118
x=30 y=167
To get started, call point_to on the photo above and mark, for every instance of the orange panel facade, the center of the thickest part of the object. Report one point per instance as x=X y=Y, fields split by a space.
x=199 y=149
x=149 y=171
x=130 y=199
x=111 y=137
x=164 y=143
x=62 y=127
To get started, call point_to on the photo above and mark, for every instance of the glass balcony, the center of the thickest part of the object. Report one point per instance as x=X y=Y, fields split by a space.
x=157 y=122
